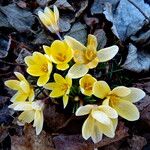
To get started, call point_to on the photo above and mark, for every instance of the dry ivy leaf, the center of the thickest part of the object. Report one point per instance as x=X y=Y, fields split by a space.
x=4 y=47
x=137 y=142
x=30 y=141
x=63 y=4
x=137 y=60
x=125 y=22
x=79 y=32
x=3 y=21
x=64 y=25
x=83 y=5
x=42 y=2
x=23 y=53
x=99 y=5
x=76 y=142
x=20 y=19
x=90 y=21
x=101 y=38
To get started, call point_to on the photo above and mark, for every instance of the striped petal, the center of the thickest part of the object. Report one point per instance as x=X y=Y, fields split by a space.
x=84 y=110
x=107 y=54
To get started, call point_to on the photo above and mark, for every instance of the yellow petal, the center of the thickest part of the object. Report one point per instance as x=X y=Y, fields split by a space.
x=110 y=112
x=47 y=50
x=57 y=92
x=69 y=81
x=31 y=95
x=135 y=95
x=43 y=79
x=106 y=101
x=56 y=13
x=29 y=60
x=92 y=41
x=59 y=79
x=39 y=56
x=35 y=70
x=50 y=15
x=74 y=44
x=93 y=63
x=25 y=87
x=107 y=53
x=84 y=110
x=26 y=116
x=101 y=89
x=45 y=20
x=86 y=84
x=65 y=100
x=20 y=76
x=50 y=86
x=125 y=109
x=101 y=117
x=62 y=66
x=77 y=71
x=19 y=96
x=13 y=84
x=87 y=127
x=79 y=56
x=107 y=130
x=115 y=123
x=38 y=121
x=96 y=133
x=121 y=91
x=21 y=106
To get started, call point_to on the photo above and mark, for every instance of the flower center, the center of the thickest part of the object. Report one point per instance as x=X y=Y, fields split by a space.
x=90 y=54
x=44 y=68
x=64 y=87
x=88 y=86
x=61 y=57
x=113 y=100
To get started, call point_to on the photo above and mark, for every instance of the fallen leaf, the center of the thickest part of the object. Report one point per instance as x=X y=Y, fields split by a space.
x=64 y=25
x=30 y=141
x=126 y=18
x=99 y=5
x=137 y=142
x=101 y=38
x=4 y=47
x=79 y=32
x=20 y=19
x=91 y=21
x=82 y=5
x=42 y=3
x=3 y=21
x=63 y=4
x=136 y=60
x=23 y=53
x=76 y=142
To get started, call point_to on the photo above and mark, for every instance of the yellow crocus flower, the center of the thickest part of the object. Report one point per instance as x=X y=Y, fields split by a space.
x=23 y=88
x=61 y=87
x=50 y=19
x=86 y=84
x=60 y=53
x=31 y=111
x=88 y=57
x=120 y=98
x=39 y=65
x=101 y=120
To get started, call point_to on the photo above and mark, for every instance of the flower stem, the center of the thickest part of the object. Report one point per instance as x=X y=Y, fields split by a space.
x=59 y=36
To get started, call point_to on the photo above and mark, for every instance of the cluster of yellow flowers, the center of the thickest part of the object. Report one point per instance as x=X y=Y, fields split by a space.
x=102 y=119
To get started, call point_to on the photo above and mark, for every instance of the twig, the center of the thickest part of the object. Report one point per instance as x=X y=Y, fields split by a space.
x=9 y=63
x=143 y=13
x=59 y=36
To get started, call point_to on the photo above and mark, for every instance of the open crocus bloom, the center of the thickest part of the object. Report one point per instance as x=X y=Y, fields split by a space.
x=60 y=53
x=88 y=57
x=61 y=87
x=50 y=19
x=86 y=84
x=101 y=120
x=39 y=65
x=120 y=98
x=23 y=88
x=31 y=111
